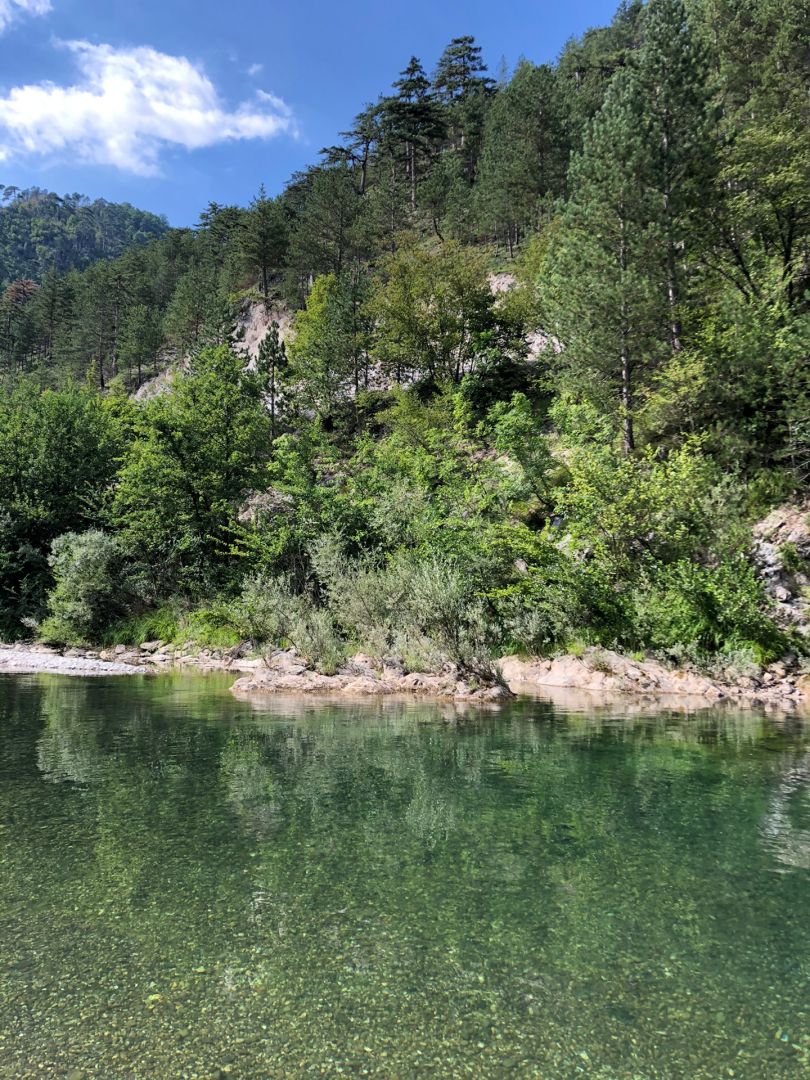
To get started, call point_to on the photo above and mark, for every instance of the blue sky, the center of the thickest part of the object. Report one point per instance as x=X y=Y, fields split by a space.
x=169 y=104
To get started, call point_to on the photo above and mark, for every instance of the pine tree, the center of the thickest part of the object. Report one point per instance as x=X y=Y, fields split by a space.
x=460 y=70
x=53 y=305
x=758 y=50
x=264 y=238
x=587 y=65
x=195 y=306
x=415 y=119
x=460 y=83
x=634 y=221
x=524 y=155
x=141 y=339
x=670 y=78
x=363 y=140
x=270 y=364
x=103 y=302
x=17 y=332
x=602 y=294
x=324 y=236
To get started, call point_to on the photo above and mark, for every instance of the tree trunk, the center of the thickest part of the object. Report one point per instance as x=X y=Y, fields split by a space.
x=673 y=298
x=628 y=437
x=273 y=401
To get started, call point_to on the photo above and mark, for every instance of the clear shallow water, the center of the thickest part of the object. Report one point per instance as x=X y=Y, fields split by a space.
x=194 y=887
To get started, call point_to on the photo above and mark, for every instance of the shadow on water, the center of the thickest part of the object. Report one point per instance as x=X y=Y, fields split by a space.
x=195 y=885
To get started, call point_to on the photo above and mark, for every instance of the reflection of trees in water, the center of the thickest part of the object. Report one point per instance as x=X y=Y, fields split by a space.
x=69 y=748
x=148 y=813
x=248 y=780
x=531 y=866
x=343 y=807
x=786 y=839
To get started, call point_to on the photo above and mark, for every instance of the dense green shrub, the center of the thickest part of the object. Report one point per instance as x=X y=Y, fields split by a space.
x=706 y=609
x=263 y=610
x=162 y=623
x=314 y=634
x=88 y=588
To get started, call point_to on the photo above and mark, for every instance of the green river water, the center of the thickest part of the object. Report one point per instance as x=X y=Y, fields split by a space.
x=194 y=886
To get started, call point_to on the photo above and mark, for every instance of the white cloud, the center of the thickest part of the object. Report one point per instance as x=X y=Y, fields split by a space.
x=255 y=69
x=128 y=106
x=281 y=107
x=12 y=9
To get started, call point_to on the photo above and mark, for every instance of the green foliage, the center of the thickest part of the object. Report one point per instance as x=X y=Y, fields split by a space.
x=411 y=471
x=516 y=431
x=161 y=623
x=524 y=157
x=263 y=610
x=198 y=450
x=446 y=610
x=425 y=608
x=41 y=231
x=663 y=547
x=88 y=588
x=434 y=313
x=58 y=454
x=313 y=633
x=366 y=599
x=327 y=355
x=706 y=609
x=545 y=602
x=264 y=239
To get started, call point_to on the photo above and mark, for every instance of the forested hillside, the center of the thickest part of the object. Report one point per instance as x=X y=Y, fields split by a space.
x=548 y=364
x=41 y=232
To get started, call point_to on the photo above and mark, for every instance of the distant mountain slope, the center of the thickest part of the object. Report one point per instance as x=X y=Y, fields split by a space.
x=40 y=231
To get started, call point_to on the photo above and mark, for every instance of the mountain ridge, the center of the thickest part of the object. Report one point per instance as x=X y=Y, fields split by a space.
x=42 y=232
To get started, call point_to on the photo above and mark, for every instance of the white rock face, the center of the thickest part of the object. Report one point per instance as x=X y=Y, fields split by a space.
x=253 y=324
x=782 y=555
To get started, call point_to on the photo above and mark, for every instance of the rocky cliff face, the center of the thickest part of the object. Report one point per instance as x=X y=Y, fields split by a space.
x=782 y=555
x=254 y=322
x=252 y=325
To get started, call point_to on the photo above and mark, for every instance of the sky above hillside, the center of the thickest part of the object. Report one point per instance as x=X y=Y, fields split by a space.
x=169 y=104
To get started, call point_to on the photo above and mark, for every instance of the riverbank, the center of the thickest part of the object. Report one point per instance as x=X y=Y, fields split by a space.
x=596 y=671
x=32 y=660
x=148 y=658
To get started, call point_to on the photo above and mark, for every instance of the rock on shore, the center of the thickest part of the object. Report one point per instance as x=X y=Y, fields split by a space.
x=597 y=671
x=782 y=557
x=287 y=673
x=606 y=672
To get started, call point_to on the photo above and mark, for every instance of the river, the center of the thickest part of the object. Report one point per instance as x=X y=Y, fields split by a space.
x=196 y=886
